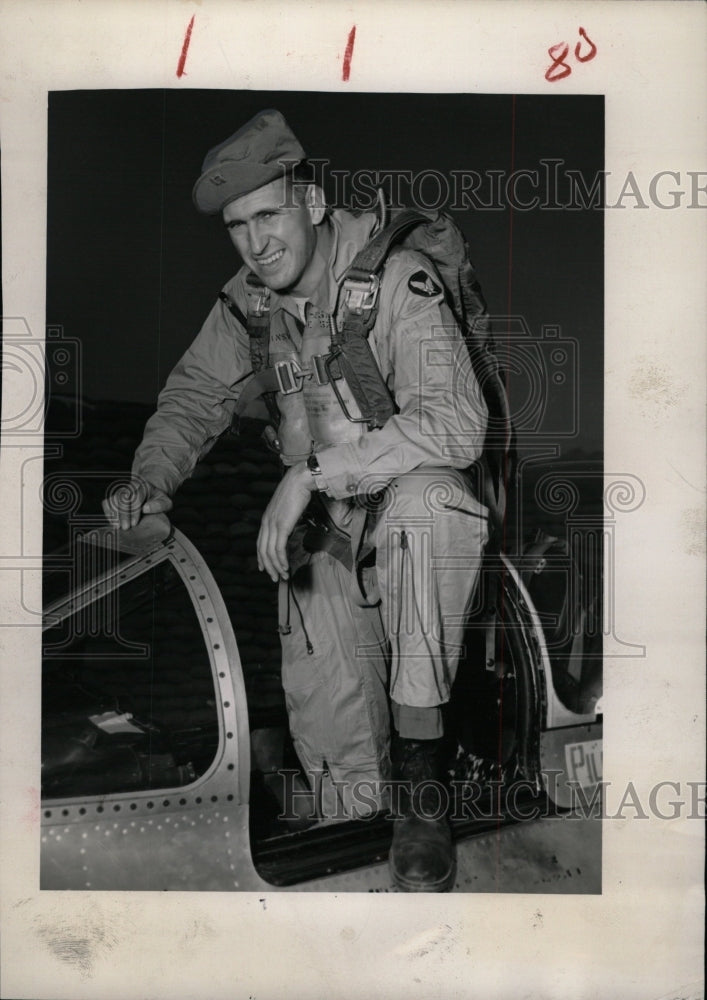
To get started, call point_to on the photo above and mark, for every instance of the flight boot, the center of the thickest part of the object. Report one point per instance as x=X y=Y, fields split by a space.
x=421 y=856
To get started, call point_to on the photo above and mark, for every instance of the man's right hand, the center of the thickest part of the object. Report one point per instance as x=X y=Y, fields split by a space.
x=125 y=503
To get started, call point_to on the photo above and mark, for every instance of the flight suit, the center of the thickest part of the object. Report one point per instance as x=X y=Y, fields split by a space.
x=395 y=629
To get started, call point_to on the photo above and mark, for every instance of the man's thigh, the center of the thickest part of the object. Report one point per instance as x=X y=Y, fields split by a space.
x=430 y=538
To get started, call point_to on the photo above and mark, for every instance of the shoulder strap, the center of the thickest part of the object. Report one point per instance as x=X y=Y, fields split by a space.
x=371 y=259
x=258 y=322
x=257 y=326
x=258 y=329
x=233 y=308
x=439 y=239
x=358 y=298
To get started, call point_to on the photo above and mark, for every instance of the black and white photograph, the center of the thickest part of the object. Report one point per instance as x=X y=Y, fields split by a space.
x=352 y=460
x=349 y=611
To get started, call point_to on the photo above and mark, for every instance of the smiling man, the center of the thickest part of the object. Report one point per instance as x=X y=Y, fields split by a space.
x=271 y=231
x=372 y=623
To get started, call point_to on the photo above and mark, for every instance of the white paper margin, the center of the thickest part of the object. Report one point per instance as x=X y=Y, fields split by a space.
x=643 y=936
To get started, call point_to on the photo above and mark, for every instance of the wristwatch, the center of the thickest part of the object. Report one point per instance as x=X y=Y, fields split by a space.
x=315 y=469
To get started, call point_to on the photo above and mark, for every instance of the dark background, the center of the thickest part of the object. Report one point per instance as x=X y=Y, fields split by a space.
x=133 y=268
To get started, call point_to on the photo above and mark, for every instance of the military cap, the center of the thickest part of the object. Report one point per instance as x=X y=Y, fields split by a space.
x=262 y=150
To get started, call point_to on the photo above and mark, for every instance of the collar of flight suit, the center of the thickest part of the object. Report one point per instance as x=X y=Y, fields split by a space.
x=349 y=234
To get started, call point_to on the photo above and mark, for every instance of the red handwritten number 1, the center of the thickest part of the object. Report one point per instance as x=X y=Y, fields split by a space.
x=559 y=52
x=185 y=48
x=346 y=72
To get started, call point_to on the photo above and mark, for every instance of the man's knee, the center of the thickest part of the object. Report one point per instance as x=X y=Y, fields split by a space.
x=437 y=500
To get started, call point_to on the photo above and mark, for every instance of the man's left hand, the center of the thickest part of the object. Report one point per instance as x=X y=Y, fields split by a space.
x=286 y=506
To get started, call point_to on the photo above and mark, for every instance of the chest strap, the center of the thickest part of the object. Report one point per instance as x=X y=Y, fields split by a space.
x=287 y=377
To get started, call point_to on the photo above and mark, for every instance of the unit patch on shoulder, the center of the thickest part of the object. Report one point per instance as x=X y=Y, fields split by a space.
x=422 y=284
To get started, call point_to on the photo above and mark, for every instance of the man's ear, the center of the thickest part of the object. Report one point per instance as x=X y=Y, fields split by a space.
x=316 y=203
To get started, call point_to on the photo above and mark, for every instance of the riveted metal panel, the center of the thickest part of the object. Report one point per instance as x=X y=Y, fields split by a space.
x=202 y=848
x=195 y=836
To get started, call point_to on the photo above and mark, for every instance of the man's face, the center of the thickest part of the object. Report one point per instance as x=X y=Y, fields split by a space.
x=274 y=232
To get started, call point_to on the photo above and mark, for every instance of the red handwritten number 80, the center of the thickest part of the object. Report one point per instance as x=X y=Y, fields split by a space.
x=558 y=53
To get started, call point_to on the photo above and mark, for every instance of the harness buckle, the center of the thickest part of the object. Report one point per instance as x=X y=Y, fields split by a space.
x=320 y=369
x=259 y=301
x=290 y=375
x=258 y=296
x=361 y=295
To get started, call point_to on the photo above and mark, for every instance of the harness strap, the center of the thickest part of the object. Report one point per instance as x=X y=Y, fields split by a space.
x=233 y=308
x=260 y=384
x=258 y=329
x=350 y=346
x=371 y=259
x=359 y=552
x=318 y=538
x=317 y=532
x=283 y=607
